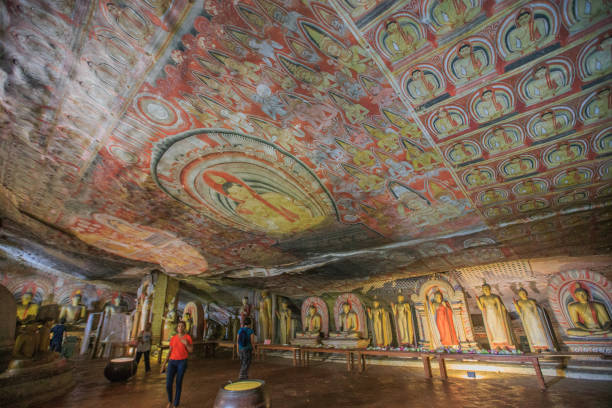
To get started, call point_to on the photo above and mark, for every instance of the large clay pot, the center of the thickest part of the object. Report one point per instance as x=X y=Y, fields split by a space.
x=119 y=369
x=243 y=394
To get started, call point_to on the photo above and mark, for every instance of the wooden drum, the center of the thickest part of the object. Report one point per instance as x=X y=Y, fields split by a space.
x=243 y=394
x=119 y=369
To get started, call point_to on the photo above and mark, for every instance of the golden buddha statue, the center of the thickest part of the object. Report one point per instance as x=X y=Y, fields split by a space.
x=381 y=327
x=75 y=311
x=43 y=336
x=188 y=323
x=170 y=320
x=284 y=322
x=590 y=318
x=26 y=343
x=348 y=320
x=265 y=316
x=403 y=321
x=313 y=321
x=536 y=327
x=495 y=315
x=27 y=310
x=113 y=307
x=245 y=310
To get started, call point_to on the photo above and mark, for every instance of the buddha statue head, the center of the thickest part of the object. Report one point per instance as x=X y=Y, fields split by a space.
x=346 y=307
x=311 y=310
x=522 y=293
x=400 y=298
x=76 y=299
x=438 y=297
x=486 y=289
x=245 y=300
x=581 y=295
x=117 y=301
x=376 y=304
x=284 y=305
x=264 y=294
x=26 y=299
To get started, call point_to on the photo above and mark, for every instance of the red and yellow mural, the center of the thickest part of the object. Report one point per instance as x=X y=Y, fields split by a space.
x=180 y=133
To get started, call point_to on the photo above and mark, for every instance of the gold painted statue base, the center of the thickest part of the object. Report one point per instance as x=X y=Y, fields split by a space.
x=302 y=339
x=343 y=343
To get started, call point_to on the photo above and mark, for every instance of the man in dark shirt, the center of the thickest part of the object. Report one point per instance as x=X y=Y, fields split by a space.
x=246 y=338
x=58 y=336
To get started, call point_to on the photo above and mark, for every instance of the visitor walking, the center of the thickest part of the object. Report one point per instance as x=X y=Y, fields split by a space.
x=58 y=336
x=144 y=347
x=246 y=338
x=180 y=347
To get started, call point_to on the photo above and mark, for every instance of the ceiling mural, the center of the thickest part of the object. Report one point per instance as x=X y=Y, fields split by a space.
x=361 y=138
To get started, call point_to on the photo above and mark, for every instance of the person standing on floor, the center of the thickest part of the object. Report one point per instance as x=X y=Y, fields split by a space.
x=246 y=339
x=58 y=336
x=180 y=347
x=144 y=347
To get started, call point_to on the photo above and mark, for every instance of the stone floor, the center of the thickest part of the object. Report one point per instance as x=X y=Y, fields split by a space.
x=329 y=385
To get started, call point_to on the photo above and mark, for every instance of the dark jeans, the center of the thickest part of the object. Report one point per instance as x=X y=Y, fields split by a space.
x=178 y=368
x=56 y=346
x=245 y=362
x=146 y=358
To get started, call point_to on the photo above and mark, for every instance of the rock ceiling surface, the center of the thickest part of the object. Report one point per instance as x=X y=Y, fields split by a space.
x=359 y=138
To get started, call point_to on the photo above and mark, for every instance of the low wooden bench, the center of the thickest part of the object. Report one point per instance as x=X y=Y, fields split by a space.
x=425 y=357
x=261 y=348
x=305 y=354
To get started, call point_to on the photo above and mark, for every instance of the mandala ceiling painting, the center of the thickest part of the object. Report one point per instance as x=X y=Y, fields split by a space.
x=262 y=137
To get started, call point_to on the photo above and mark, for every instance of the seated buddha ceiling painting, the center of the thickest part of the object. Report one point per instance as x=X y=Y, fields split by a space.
x=345 y=139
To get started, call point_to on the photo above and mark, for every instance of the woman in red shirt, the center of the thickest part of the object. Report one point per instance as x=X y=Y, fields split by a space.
x=180 y=347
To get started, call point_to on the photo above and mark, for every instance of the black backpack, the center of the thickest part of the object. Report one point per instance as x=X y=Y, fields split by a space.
x=243 y=338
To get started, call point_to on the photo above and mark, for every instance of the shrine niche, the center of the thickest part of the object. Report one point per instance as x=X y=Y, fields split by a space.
x=231 y=179
x=552 y=123
x=446 y=16
x=315 y=322
x=565 y=153
x=400 y=35
x=443 y=319
x=472 y=59
x=596 y=107
x=578 y=15
x=492 y=103
x=594 y=61
x=193 y=316
x=526 y=31
x=546 y=81
x=602 y=143
x=447 y=121
x=350 y=322
x=582 y=304
x=501 y=139
x=423 y=82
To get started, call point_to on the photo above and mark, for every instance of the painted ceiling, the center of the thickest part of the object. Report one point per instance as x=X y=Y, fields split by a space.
x=331 y=141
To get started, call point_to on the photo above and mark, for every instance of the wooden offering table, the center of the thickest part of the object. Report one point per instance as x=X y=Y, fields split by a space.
x=305 y=354
x=230 y=345
x=261 y=348
x=425 y=357
x=531 y=358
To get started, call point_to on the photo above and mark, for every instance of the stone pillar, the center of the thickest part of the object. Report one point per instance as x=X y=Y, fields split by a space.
x=165 y=289
x=8 y=310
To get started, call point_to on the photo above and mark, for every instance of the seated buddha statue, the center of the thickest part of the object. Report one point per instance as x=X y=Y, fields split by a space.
x=313 y=321
x=349 y=323
x=26 y=343
x=590 y=318
x=27 y=310
x=75 y=311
